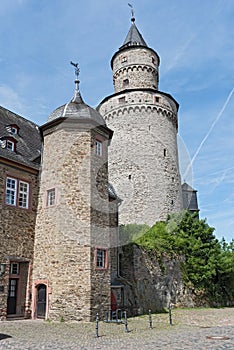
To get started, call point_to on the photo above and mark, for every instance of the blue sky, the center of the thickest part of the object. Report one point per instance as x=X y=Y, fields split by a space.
x=195 y=42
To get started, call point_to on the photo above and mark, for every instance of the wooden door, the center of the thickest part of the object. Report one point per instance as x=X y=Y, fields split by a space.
x=12 y=296
x=41 y=301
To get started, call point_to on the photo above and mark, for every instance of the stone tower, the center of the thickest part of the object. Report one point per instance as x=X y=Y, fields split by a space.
x=71 y=271
x=143 y=156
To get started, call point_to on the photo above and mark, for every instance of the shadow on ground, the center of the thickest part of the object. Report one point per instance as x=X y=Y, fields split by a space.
x=4 y=336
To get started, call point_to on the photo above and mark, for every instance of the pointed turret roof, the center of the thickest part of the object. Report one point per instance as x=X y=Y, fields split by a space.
x=77 y=108
x=133 y=37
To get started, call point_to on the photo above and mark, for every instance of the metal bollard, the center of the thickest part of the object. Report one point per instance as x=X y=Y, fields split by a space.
x=126 y=322
x=150 y=320
x=97 y=319
x=170 y=316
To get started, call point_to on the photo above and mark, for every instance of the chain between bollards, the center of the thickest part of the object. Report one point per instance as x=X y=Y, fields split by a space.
x=150 y=320
x=97 y=320
x=126 y=322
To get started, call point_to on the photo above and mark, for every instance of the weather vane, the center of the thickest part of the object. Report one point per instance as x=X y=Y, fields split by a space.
x=132 y=10
x=77 y=70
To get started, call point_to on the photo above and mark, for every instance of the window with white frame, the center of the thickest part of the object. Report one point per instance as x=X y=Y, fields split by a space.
x=99 y=148
x=14 y=268
x=10 y=145
x=17 y=193
x=11 y=191
x=101 y=258
x=23 y=194
x=50 y=197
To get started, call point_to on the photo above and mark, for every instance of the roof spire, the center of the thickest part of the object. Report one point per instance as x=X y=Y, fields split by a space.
x=77 y=97
x=132 y=12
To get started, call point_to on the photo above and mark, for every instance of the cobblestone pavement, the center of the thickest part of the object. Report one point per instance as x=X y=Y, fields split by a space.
x=192 y=329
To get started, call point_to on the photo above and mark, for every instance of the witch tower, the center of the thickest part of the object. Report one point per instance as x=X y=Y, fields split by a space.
x=143 y=156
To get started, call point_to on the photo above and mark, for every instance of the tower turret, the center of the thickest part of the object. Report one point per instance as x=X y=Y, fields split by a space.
x=143 y=156
x=71 y=272
x=135 y=65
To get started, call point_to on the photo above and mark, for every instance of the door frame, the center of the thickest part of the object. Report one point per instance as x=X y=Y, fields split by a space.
x=16 y=291
x=35 y=297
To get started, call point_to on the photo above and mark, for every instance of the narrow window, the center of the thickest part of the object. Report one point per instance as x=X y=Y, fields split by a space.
x=23 y=194
x=124 y=59
x=153 y=60
x=98 y=148
x=129 y=177
x=125 y=82
x=101 y=258
x=165 y=152
x=14 y=268
x=11 y=191
x=157 y=99
x=50 y=197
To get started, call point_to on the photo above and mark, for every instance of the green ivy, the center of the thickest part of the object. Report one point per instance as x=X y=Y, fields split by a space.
x=208 y=265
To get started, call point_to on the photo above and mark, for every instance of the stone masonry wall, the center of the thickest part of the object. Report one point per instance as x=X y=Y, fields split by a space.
x=139 y=66
x=151 y=283
x=16 y=233
x=100 y=226
x=143 y=156
x=65 y=233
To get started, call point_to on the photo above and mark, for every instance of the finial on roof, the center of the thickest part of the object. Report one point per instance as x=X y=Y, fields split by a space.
x=77 y=96
x=132 y=12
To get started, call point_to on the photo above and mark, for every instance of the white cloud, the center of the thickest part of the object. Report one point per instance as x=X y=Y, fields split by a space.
x=11 y=99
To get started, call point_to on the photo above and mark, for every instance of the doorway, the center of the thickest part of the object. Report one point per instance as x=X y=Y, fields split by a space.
x=41 y=301
x=12 y=296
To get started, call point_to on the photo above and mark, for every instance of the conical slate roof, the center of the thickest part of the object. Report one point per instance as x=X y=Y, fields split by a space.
x=134 y=37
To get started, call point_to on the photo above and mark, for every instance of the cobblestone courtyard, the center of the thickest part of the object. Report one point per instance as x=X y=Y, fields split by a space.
x=193 y=329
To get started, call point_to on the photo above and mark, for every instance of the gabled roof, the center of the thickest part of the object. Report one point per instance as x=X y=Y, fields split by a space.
x=187 y=187
x=28 y=139
x=133 y=37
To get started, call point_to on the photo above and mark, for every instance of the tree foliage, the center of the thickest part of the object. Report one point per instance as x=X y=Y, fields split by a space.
x=129 y=233
x=208 y=264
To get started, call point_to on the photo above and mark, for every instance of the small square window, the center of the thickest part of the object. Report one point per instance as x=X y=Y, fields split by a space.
x=98 y=148
x=101 y=258
x=124 y=59
x=14 y=268
x=125 y=82
x=50 y=197
x=10 y=145
x=122 y=100
x=157 y=99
